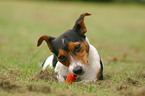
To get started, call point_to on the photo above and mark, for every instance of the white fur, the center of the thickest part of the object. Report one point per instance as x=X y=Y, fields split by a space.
x=75 y=63
x=62 y=71
x=93 y=65
x=60 y=68
x=91 y=70
x=48 y=62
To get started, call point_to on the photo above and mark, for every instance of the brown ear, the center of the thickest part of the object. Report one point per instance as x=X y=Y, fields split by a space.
x=48 y=40
x=80 y=25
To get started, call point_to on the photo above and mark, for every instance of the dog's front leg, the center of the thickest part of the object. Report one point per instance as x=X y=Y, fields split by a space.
x=60 y=78
x=62 y=71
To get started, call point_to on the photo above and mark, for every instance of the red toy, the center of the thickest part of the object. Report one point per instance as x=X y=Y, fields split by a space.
x=71 y=78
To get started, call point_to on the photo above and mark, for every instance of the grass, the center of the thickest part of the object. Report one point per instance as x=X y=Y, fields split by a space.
x=117 y=31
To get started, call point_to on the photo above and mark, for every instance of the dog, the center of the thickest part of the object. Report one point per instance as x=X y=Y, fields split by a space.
x=73 y=53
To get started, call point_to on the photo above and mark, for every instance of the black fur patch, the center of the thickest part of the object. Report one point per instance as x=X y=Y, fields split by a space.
x=54 y=61
x=43 y=63
x=61 y=42
x=101 y=63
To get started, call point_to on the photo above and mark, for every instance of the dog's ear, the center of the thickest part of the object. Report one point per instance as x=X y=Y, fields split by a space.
x=48 y=40
x=80 y=25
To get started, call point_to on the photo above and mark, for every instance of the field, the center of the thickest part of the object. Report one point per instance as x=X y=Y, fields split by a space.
x=116 y=30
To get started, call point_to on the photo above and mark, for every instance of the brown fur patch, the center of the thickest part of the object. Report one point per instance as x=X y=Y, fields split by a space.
x=82 y=54
x=83 y=29
x=99 y=74
x=64 y=53
x=46 y=38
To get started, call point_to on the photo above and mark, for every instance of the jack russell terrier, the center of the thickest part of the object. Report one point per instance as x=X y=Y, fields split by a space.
x=73 y=53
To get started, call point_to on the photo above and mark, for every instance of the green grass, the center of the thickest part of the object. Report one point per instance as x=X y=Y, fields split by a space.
x=113 y=29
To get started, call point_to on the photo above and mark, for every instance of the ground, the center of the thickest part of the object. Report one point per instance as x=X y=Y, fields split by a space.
x=116 y=30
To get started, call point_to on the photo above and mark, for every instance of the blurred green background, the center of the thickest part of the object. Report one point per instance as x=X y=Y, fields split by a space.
x=109 y=1
x=117 y=30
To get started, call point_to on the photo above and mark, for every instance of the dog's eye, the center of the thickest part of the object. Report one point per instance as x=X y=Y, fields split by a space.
x=77 y=48
x=62 y=58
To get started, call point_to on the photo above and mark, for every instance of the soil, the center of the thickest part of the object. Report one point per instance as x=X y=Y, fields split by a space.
x=10 y=87
x=107 y=76
x=45 y=75
x=135 y=92
x=133 y=82
x=39 y=88
x=6 y=83
x=141 y=75
x=131 y=87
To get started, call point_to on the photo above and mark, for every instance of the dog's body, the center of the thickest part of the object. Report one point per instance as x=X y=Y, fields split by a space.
x=73 y=53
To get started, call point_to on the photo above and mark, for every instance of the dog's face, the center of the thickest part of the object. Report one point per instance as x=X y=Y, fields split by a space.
x=70 y=48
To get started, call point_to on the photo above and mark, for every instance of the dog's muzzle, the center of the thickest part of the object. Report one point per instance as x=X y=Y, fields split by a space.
x=78 y=70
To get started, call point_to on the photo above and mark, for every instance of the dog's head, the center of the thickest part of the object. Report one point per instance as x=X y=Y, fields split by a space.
x=70 y=48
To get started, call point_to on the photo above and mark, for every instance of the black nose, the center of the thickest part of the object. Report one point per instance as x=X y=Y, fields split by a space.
x=78 y=70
